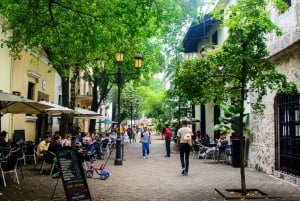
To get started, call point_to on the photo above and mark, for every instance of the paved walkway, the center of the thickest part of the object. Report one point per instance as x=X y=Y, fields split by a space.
x=154 y=179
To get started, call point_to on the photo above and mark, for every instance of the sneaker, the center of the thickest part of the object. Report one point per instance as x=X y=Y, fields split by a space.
x=183 y=171
x=144 y=157
x=186 y=173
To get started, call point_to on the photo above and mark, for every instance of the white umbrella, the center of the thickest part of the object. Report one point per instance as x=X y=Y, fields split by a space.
x=10 y=103
x=81 y=113
x=56 y=109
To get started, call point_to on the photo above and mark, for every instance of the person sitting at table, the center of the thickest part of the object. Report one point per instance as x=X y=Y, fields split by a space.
x=67 y=140
x=222 y=143
x=55 y=145
x=43 y=146
x=55 y=134
x=89 y=150
x=3 y=142
x=84 y=138
x=205 y=139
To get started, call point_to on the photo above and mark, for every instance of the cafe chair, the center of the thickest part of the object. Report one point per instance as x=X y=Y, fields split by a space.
x=221 y=153
x=5 y=151
x=198 y=149
x=29 y=149
x=105 y=146
x=49 y=160
x=228 y=154
x=211 y=153
x=18 y=151
x=8 y=165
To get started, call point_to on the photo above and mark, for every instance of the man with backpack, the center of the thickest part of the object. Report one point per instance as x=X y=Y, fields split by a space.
x=168 y=135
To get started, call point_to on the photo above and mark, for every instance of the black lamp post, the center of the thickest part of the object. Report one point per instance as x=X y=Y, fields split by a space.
x=119 y=80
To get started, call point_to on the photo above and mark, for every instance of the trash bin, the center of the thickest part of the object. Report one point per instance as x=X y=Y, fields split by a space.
x=235 y=150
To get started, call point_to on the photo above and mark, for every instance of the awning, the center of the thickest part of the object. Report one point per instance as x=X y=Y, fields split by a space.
x=197 y=33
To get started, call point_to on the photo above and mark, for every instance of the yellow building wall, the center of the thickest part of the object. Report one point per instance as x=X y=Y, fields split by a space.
x=5 y=76
x=21 y=78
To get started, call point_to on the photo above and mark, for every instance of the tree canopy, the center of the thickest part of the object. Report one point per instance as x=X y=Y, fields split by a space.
x=75 y=34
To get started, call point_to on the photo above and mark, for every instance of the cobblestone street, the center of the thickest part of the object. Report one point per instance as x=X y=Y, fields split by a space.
x=155 y=178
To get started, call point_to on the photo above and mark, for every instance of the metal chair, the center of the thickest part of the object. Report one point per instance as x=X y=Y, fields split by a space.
x=228 y=154
x=29 y=149
x=9 y=165
x=222 y=153
x=198 y=150
x=49 y=159
x=105 y=145
x=5 y=151
x=18 y=151
x=211 y=153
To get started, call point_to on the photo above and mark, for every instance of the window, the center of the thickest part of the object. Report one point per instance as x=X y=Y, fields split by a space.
x=287 y=133
x=59 y=100
x=30 y=92
x=30 y=95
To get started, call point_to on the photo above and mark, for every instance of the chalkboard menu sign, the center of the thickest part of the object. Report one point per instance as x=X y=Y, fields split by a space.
x=72 y=174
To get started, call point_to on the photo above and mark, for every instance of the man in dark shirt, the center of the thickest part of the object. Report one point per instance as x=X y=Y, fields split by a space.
x=55 y=144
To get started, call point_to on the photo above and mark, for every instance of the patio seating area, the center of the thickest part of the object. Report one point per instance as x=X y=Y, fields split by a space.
x=212 y=152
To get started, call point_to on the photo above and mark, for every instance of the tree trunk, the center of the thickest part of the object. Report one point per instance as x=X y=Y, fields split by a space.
x=73 y=128
x=95 y=105
x=64 y=123
x=241 y=122
x=73 y=93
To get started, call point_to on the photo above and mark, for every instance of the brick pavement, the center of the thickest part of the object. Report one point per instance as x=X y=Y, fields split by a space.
x=154 y=179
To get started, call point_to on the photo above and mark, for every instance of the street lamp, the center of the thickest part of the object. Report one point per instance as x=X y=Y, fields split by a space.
x=119 y=75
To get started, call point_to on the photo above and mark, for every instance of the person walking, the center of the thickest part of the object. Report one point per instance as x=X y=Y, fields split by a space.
x=134 y=133
x=167 y=135
x=145 y=140
x=184 y=135
x=129 y=133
